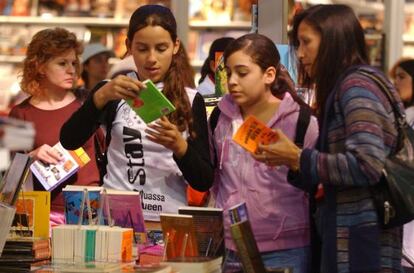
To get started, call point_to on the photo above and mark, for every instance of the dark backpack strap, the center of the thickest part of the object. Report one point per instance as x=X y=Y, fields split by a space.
x=213 y=120
x=214 y=116
x=101 y=148
x=302 y=125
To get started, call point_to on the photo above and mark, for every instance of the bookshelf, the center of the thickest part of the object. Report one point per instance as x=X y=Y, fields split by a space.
x=212 y=19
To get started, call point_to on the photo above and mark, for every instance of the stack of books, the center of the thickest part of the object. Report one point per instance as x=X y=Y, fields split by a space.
x=24 y=254
x=75 y=243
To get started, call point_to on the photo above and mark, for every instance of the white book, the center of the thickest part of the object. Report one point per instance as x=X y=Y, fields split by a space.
x=52 y=175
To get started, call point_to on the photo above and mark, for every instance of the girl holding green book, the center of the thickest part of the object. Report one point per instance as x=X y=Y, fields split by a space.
x=157 y=159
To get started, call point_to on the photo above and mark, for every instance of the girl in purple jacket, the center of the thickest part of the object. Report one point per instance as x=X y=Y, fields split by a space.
x=278 y=212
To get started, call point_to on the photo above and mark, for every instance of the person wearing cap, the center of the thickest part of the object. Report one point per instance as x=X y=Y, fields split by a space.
x=403 y=75
x=122 y=67
x=95 y=62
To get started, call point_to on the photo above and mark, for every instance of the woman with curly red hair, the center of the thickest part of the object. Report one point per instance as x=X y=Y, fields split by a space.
x=50 y=72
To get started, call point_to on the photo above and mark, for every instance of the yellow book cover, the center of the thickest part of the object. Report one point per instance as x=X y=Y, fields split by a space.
x=32 y=215
x=252 y=133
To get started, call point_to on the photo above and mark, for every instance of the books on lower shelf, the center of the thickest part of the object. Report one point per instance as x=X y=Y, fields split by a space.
x=24 y=254
x=179 y=235
x=52 y=175
x=26 y=249
x=208 y=224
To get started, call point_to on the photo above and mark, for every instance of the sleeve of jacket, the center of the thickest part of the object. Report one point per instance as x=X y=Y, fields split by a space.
x=369 y=137
x=84 y=122
x=196 y=164
x=297 y=178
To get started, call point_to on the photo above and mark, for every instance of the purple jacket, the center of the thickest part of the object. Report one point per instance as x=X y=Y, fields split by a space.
x=278 y=212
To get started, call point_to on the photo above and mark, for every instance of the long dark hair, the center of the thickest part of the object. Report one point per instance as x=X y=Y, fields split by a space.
x=408 y=67
x=180 y=73
x=218 y=45
x=342 y=45
x=264 y=53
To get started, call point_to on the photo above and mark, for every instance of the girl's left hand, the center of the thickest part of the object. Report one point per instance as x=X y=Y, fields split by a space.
x=281 y=152
x=166 y=134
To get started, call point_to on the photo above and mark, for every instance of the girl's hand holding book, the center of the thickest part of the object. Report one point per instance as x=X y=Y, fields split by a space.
x=282 y=152
x=122 y=87
x=46 y=154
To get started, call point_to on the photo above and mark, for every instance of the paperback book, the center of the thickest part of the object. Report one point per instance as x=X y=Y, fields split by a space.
x=150 y=104
x=52 y=175
x=32 y=215
x=208 y=224
x=252 y=133
x=73 y=196
x=126 y=211
x=179 y=235
x=246 y=246
x=238 y=213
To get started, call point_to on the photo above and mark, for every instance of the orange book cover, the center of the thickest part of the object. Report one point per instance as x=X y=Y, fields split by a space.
x=179 y=235
x=127 y=236
x=254 y=132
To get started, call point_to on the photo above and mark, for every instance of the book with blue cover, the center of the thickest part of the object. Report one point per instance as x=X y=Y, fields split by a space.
x=73 y=196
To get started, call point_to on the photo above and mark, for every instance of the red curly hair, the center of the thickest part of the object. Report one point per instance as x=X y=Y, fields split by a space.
x=45 y=45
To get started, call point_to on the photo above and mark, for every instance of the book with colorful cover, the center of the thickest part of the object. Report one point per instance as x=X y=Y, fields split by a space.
x=150 y=104
x=52 y=175
x=208 y=223
x=32 y=215
x=220 y=77
x=73 y=196
x=179 y=235
x=126 y=211
x=238 y=213
x=252 y=133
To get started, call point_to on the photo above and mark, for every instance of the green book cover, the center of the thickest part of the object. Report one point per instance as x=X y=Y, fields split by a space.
x=151 y=103
x=90 y=245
